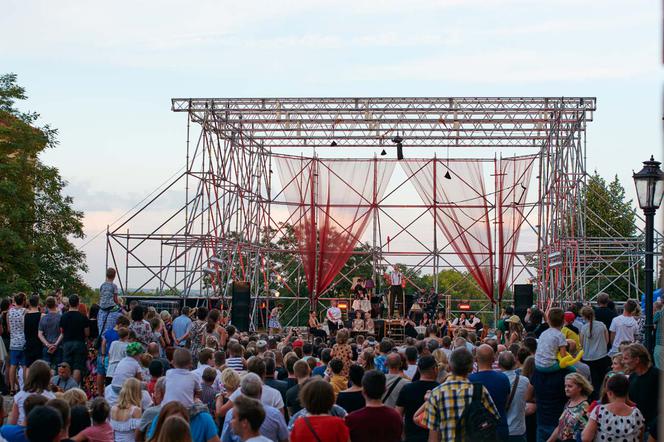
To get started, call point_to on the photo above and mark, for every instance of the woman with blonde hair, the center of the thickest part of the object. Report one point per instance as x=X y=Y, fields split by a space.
x=230 y=380
x=575 y=414
x=126 y=415
x=443 y=364
x=75 y=396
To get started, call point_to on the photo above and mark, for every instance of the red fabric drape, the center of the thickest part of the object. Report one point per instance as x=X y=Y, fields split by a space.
x=464 y=217
x=513 y=179
x=330 y=202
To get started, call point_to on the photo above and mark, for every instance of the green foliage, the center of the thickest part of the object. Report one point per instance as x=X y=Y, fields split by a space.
x=36 y=219
x=608 y=215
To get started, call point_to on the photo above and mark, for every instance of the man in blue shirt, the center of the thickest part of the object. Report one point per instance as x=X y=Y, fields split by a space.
x=495 y=382
x=181 y=326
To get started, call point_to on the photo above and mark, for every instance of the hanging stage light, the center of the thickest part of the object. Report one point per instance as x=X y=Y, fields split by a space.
x=398 y=141
x=333 y=143
x=447 y=175
x=383 y=153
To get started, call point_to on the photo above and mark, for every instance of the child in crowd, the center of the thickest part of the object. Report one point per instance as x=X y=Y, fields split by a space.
x=551 y=344
x=208 y=392
x=116 y=352
x=339 y=382
x=156 y=370
x=101 y=430
x=157 y=334
x=181 y=384
x=236 y=361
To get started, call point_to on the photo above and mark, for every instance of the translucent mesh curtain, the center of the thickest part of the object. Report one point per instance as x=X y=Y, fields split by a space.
x=296 y=175
x=346 y=191
x=513 y=179
x=341 y=199
x=464 y=215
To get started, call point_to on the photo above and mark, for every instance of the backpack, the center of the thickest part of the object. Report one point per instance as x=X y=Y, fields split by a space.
x=477 y=423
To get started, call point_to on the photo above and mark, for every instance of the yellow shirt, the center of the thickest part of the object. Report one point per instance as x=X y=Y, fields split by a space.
x=569 y=334
x=339 y=383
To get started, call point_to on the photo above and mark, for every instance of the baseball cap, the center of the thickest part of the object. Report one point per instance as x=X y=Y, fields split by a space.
x=134 y=348
x=569 y=317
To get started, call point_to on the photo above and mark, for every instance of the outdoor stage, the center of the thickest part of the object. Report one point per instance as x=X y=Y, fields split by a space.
x=285 y=192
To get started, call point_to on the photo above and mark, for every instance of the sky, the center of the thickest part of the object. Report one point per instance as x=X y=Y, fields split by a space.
x=103 y=73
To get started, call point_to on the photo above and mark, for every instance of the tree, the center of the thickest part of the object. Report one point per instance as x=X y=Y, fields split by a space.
x=36 y=219
x=608 y=214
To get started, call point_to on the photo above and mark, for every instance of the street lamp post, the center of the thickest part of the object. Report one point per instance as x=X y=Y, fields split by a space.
x=649 y=183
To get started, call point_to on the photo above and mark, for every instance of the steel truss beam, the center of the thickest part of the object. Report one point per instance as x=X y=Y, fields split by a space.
x=230 y=205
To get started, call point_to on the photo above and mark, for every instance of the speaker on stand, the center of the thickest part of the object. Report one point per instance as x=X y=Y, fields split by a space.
x=523 y=299
x=241 y=305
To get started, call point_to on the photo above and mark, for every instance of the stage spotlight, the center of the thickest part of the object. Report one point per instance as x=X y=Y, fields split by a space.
x=398 y=141
x=217 y=261
x=447 y=175
x=209 y=271
x=333 y=143
x=383 y=153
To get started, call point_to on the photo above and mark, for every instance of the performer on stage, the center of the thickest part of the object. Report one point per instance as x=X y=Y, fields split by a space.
x=334 y=317
x=314 y=326
x=273 y=322
x=396 y=291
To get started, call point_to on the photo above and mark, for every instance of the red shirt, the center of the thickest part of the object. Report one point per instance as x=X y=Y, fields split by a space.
x=151 y=385
x=328 y=429
x=375 y=423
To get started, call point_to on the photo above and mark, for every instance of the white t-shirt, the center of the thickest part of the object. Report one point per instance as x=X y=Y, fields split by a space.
x=334 y=314
x=19 y=400
x=117 y=351
x=181 y=384
x=548 y=345
x=625 y=328
x=269 y=396
x=516 y=415
x=127 y=368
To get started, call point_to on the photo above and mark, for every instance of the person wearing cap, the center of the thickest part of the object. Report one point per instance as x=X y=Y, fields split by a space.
x=569 y=330
x=128 y=367
x=514 y=330
x=411 y=397
x=63 y=380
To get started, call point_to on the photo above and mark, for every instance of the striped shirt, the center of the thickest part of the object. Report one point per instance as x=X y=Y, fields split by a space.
x=235 y=363
x=445 y=406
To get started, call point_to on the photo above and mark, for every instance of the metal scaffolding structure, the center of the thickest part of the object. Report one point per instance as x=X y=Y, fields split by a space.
x=233 y=217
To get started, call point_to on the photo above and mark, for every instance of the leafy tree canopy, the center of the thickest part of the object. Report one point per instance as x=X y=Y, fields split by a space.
x=37 y=219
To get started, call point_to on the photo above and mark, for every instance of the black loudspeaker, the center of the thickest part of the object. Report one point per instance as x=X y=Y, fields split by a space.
x=399 y=151
x=240 y=308
x=523 y=299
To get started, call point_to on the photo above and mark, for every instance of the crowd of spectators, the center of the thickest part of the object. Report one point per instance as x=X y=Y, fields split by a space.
x=116 y=373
